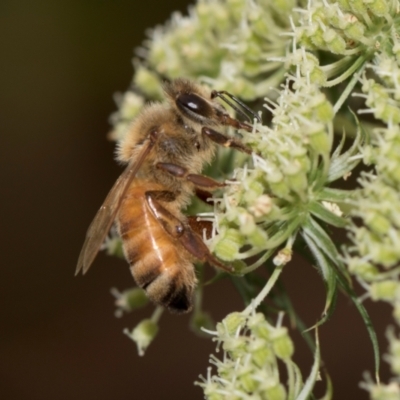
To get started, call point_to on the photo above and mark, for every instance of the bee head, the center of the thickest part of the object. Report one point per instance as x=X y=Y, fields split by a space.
x=193 y=101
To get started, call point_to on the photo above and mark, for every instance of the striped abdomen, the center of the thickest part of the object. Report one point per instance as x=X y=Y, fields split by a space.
x=159 y=263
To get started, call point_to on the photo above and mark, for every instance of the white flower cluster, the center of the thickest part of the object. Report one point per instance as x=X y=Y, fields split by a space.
x=267 y=204
x=223 y=43
x=249 y=368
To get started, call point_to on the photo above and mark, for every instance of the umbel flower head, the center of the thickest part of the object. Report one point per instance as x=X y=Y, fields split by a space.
x=252 y=351
x=310 y=59
x=223 y=43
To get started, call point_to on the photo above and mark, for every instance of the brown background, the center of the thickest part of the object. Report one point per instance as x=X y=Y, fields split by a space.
x=61 y=62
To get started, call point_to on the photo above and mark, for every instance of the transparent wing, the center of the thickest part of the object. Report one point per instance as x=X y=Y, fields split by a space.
x=105 y=217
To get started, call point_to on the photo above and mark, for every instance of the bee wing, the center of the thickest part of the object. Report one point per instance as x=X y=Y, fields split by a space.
x=105 y=217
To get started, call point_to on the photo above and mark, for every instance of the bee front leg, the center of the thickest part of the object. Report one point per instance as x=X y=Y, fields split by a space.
x=225 y=141
x=189 y=239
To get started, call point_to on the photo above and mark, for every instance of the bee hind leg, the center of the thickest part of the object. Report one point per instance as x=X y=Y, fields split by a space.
x=170 y=223
x=186 y=236
x=194 y=244
x=199 y=226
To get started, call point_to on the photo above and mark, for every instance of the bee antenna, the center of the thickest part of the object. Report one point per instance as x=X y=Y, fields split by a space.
x=221 y=94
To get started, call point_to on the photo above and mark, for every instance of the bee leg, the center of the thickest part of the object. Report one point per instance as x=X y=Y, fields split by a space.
x=199 y=180
x=223 y=94
x=199 y=226
x=224 y=140
x=170 y=223
x=204 y=196
x=189 y=239
x=194 y=244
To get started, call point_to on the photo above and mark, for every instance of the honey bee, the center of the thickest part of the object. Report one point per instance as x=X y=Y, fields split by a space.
x=166 y=148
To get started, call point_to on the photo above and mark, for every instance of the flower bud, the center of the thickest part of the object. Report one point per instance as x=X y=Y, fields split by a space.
x=246 y=222
x=227 y=248
x=323 y=109
x=261 y=206
x=143 y=334
x=358 y=6
x=129 y=300
x=377 y=222
x=282 y=344
x=385 y=392
x=316 y=35
x=379 y=7
x=319 y=141
x=259 y=326
x=318 y=76
x=235 y=346
x=247 y=381
x=276 y=392
x=254 y=191
x=230 y=324
x=261 y=352
x=395 y=355
x=258 y=237
x=388 y=113
x=212 y=15
x=363 y=269
x=226 y=369
x=129 y=106
x=238 y=267
x=148 y=82
x=211 y=391
x=279 y=189
x=384 y=290
x=199 y=320
x=336 y=45
x=113 y=246
x=355 y=31
x=283 y=256
x=297 y=182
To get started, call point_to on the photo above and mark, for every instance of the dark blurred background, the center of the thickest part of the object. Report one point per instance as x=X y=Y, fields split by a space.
x=61 y=63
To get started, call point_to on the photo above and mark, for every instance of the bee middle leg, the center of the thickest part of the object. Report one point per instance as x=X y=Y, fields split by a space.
x=189 y=239
x=201 y=181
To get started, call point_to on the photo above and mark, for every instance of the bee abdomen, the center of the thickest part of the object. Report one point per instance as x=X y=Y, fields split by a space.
x=159 y=263
x=169 y=285
x=164 y=290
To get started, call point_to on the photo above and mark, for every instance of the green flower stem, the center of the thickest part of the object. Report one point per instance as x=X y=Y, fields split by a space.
x=264 y=292
x=294 y=379
x=337 y=67
x=360 y=64
x=313 y=377
x=155 y=317
x=259 y=262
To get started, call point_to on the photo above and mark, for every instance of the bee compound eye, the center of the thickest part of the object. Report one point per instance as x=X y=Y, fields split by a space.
x=192 y=105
